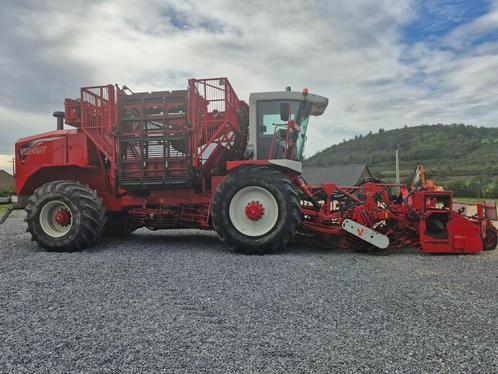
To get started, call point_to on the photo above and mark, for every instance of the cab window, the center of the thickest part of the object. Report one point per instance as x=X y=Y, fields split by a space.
x=268 y=118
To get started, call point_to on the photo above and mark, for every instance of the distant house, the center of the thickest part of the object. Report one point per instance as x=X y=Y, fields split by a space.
x=342 y=175
x=7 y=181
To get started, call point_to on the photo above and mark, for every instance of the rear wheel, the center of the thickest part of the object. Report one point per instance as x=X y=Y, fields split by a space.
x=256 y=210
x=65 y=216
x=490 y=239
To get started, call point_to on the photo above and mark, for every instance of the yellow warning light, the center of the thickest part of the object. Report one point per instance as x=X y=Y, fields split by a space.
x=305 y=91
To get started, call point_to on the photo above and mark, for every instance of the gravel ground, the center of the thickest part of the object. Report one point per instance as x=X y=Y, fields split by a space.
x=177 y=301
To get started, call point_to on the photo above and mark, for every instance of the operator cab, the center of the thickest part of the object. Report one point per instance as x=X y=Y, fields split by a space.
x=278 y=122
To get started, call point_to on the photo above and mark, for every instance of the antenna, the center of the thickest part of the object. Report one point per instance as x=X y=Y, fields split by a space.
x=397 y=167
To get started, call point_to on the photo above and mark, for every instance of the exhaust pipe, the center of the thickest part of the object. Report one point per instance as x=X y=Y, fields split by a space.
x=60 y=120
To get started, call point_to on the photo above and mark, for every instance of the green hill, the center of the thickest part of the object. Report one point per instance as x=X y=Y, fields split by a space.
x=460 y=157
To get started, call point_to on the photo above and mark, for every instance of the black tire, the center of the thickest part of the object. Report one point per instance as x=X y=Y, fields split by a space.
x=287 y=200
x=491 y=239
x=118 y=224
x=86 y=212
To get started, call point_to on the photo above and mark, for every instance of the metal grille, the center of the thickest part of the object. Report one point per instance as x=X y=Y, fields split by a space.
x=154 y=140
x=98 y=117
x=164 y=136
x=215 y=111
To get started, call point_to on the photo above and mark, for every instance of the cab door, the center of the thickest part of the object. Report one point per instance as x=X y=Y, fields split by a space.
x=268 y=122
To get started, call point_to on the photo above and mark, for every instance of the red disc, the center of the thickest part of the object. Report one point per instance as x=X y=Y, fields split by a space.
x=254 y=210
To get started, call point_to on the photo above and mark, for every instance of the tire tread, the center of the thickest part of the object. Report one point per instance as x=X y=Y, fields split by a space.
x=241 y=242
x=91 y=215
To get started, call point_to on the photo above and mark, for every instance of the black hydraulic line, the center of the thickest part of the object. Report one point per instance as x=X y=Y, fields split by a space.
x=6 y=215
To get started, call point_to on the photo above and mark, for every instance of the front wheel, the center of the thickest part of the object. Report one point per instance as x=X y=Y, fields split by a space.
x=65 y=216
x=256 y=210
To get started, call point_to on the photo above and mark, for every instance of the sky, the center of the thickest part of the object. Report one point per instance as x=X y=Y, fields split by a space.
x=382 y=63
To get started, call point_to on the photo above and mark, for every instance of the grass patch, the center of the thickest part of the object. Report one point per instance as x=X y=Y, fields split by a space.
x=470 y=200
x=4 y=207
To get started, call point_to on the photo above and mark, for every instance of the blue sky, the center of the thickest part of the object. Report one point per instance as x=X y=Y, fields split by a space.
x=436 y=18
x=382 y=63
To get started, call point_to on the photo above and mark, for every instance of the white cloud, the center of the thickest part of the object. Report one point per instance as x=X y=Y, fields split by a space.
x=6 y=162
x=20 y=123
x=464 y=35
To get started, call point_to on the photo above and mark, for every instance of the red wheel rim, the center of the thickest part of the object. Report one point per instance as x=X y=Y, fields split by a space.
x=255 y=210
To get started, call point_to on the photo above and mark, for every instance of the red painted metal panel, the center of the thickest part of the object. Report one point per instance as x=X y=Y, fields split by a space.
x=77 y=149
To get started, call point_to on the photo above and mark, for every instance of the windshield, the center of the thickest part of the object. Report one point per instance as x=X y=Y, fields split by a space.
x=268 y=113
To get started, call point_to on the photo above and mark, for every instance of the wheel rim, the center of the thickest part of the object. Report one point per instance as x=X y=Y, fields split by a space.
x=56 y=219
x=253 y=211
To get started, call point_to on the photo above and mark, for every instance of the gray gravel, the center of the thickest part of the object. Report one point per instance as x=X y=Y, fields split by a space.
x=177 y=301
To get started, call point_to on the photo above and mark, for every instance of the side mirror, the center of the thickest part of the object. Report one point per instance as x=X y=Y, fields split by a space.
x=284 y=111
